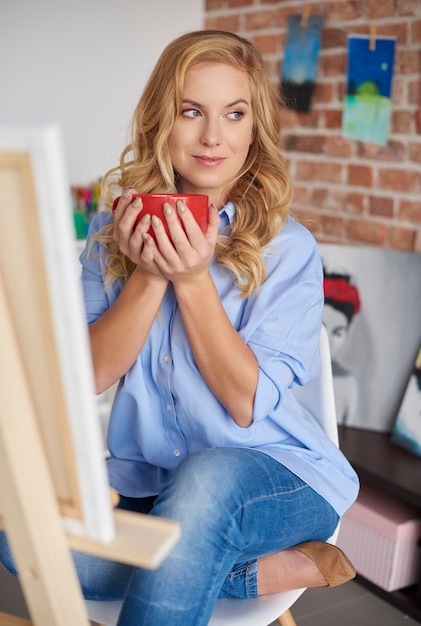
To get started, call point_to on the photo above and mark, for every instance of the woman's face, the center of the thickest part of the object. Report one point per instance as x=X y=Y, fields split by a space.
x=337 y=328
x=211 y=137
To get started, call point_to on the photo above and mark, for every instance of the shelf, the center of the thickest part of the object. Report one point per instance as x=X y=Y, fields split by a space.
x=382 y=464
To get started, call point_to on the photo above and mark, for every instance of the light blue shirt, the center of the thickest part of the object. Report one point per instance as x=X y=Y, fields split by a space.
x=163 y=409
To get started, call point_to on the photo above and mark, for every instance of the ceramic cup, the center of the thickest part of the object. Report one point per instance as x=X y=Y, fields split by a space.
x=153 y=203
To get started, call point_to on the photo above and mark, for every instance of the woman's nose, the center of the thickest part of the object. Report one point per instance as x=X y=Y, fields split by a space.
x=211 y=134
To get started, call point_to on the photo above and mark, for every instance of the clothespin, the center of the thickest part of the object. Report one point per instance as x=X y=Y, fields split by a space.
x=373 y=31
x=305 y=15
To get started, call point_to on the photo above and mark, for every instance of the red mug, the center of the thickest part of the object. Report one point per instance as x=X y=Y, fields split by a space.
x=153 y=204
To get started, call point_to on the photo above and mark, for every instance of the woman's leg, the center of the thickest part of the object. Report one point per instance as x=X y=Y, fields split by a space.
x=233 y=505
x=100 y=579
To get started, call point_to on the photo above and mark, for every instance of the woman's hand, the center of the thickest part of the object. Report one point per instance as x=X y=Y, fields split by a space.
x=185 y=256
x=132 y=239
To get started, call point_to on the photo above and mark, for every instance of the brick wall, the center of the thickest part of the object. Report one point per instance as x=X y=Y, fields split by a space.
x=346 y=191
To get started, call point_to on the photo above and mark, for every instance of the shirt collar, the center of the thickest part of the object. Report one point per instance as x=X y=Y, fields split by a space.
x=227 y=212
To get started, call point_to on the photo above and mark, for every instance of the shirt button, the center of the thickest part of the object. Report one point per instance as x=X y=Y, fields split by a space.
x=176 y=452
x=169 y=407
x=166 y=358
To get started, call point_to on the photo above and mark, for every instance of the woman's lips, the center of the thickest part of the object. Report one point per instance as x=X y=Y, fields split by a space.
x=209 y=161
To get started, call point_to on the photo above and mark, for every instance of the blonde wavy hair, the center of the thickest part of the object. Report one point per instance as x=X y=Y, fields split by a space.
x=261 y=191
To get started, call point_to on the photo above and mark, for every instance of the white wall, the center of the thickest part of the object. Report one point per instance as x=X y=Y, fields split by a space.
x=83 y=63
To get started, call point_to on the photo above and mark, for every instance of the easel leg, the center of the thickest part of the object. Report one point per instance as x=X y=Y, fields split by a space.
x=28 y=503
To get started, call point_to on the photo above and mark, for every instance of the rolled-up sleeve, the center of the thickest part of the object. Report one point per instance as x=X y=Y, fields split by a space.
x=282 y=324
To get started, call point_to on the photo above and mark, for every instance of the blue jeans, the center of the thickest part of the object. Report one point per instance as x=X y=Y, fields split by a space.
x=233 y=505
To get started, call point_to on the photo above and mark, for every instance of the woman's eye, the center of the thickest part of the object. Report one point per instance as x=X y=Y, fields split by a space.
x=190 y=113
x=235 y=115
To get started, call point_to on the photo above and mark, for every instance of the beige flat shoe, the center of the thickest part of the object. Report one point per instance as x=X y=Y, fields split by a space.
x=330 y=560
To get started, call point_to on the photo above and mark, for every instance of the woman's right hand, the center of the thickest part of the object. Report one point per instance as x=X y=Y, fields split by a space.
x=131 y=239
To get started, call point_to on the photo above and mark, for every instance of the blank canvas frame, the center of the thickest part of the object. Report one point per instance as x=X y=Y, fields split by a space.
x=37 y=270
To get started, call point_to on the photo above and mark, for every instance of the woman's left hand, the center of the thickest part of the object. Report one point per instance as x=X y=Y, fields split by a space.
x=188 y=253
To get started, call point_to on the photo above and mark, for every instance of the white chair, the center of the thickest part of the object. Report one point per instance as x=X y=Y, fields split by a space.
x=318 y=398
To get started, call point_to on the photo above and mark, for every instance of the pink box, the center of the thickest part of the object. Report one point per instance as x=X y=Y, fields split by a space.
x=381 y=536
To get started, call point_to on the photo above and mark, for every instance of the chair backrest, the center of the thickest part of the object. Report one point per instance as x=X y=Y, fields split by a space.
x=318 y=396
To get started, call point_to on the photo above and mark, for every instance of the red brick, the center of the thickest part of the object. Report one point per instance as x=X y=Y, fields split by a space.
x=288 y=118
x=340 y=11
x=339 y=147
x=333 y=118
x=228 y=23
x=267 y=44
x=306 y=143
x=409 y=7
x=401 y=122
x=417 y=242
x=323 y=92
x=333 y=38
x=301 y=195
x=399 y=91
x=356 y=203
x=416 y=32
x=332 y=226
x=260 y=19
x=380 y=206
x=394 y=151
x=400 y=238
x=417 y=120
x=375 y=9
x=414 y=92
x=409 y=61
x=329 y=172
x=282 y=14
x=366 y=231
x=318 y=197
x=360 y=175
x=304 y=170
x=333 y=64
x=399 y=180
x=335 y=200
x=214 y=5
x=238 y=3
x=394 y=29
x=415 y=152
x=309 y=120
x=410 y=211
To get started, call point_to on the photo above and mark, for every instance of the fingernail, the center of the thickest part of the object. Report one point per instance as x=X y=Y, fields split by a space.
x=155 y=220
x=137 y=203
x=180 y=207
x=167 y=208
x=145 y=218
x=147 y=238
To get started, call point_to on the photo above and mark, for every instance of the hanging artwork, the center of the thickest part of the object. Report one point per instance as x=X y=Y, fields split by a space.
x=407 y=428
x=301 y=57
x=368 y=102
x=371 y=313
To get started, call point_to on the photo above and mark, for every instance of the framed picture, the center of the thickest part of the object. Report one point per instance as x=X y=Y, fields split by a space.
x=368 y=98
x=372 y=305
x=301 y=59
x=407 y=429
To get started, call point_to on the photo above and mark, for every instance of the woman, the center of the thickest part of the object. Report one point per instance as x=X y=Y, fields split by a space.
x=208 y=334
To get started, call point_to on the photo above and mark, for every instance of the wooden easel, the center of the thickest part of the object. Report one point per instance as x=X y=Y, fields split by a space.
x=40 y=471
